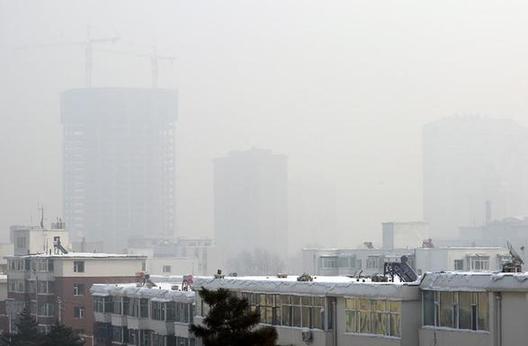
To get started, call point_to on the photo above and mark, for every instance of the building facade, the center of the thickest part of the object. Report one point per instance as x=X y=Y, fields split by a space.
x=56 y=287
x=470 y=309
x=134 y=314
x=118 y=163
x=251 y=203
x=368 y=262
x=328 y=311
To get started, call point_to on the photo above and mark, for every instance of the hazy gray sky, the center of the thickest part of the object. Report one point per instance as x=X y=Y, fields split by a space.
x=342 y=87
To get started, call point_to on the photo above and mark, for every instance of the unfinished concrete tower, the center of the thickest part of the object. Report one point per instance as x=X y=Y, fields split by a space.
x=118 y=163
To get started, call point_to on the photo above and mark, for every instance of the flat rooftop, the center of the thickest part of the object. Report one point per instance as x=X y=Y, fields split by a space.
x=320 y=286
x=475 y=281
x=163 y=291
x=81 y=255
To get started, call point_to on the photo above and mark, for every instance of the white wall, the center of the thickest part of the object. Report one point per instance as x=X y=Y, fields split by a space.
x=63 y=267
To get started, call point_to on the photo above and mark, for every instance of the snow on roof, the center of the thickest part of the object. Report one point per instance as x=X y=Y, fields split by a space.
x=475 y=281
x=81 y=255
x=320 y=286
x=162 y=292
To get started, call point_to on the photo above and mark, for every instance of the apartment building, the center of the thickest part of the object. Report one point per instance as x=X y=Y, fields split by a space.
x=328 y=311
x=55 y=286
x=155 y=314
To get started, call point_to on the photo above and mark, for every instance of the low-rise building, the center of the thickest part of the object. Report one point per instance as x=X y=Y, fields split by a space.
x=371 y=261
x=473 y=309
x=135 y=314
x=475 y=259
x=328 y=311
x=196 y=256
x=351 y=261
x=55 y=287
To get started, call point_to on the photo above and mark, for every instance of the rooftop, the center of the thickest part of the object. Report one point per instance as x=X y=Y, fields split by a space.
x=164 y=291
x=81 y=255
x=320 y=286
x=475 y=281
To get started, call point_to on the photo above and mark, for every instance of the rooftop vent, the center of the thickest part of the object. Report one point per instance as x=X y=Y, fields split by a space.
x=305 y=277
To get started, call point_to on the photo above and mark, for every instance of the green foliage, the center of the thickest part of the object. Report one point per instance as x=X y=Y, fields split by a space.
x=60 y=335
x=28 y=334
x=230 y=322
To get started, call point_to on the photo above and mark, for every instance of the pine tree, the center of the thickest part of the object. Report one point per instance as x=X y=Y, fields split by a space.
x=27 y=332
x=60 y=335
x=230 y=322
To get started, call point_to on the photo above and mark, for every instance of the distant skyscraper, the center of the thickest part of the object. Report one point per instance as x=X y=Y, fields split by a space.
x=118 y=163
x=474 y=169
x=251 y=202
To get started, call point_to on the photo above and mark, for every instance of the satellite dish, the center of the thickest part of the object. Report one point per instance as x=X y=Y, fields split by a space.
x=515 y=255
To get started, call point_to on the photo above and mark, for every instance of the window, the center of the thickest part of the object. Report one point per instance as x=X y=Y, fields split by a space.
x=459 y=264
x=373 y=262
x=158 y=340
x=21 y=242
x=132 y=337
x=143 y=308
x=288 y=310
x=328 y=262
x=133 y=307
x=372 y=316
x=17 y=286
x=99 y=304
x=479 y=263
x=460 y=310
x=46 y=309
x=78 y=266
x=166 y=269
x=158 y=311
x=118 y=334
x=117 y=306
x=78 y=312
x=78 y=289
x=45 y=287
x=146 y=338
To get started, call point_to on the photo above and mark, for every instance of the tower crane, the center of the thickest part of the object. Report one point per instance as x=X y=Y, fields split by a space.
x=88 y=44
x=154 y=58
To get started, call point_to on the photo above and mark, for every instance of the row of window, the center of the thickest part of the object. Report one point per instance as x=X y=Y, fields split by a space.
x=40 y=265
x=143 y=308
x=352 y=262
x=138 y=337
x=285 y=310
x=26 y=264
x=461 y=310
x=372 y=316
x=43 y=287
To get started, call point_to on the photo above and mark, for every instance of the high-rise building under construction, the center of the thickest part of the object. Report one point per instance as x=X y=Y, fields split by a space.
x=118 y=163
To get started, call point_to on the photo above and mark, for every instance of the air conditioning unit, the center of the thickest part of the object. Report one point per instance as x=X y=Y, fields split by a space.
x=307 y=336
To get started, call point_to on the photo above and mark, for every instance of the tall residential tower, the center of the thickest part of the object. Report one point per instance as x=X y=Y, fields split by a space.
x=118 y=163
x=251 y=202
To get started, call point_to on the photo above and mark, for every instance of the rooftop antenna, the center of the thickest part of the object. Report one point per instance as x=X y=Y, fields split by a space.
x=515 y=266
